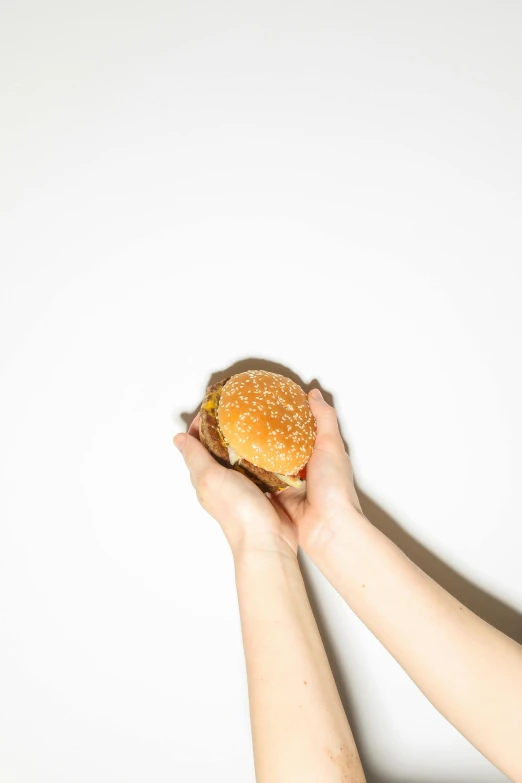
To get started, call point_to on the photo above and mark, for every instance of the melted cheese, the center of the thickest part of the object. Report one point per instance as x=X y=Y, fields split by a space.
x=212 y=402
x=290 y=480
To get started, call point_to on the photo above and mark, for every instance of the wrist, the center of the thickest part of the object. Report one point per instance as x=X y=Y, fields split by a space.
x=346 y=525
x=262 y=547
x=268 y=566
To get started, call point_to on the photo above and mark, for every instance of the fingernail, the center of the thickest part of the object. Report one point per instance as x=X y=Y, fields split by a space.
x=316 y=394
x=179 y=441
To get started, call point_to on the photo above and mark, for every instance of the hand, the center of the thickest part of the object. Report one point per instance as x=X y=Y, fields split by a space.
x=248 y=518
x=329 y=497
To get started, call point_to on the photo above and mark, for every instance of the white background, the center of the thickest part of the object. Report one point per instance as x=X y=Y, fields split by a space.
x=332 y=186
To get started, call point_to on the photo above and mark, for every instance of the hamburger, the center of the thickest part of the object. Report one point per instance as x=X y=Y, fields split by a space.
x=260 y=424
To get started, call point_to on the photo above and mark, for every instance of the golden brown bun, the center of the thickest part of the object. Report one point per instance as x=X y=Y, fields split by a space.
x=211 y=437
x=267 y=420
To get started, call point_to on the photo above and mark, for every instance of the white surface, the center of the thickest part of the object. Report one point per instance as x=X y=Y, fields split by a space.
x=334 y=186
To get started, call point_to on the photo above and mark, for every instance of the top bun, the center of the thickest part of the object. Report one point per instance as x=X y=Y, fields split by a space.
x=267 y=420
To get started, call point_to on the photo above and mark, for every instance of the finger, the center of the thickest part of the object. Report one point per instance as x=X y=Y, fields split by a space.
x=194 y=426
x=328 y=437
x=197 y=459
x=290 y=500
x=278 y=507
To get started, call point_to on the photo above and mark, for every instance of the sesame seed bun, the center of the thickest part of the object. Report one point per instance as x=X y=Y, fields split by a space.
x=211 y=437
x=267 y=420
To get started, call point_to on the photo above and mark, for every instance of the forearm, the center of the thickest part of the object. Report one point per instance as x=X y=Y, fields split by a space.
x=471 y=672
x=300 y=731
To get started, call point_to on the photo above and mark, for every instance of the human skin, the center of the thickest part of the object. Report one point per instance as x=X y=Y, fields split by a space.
x=471 y=672
x=299 y=728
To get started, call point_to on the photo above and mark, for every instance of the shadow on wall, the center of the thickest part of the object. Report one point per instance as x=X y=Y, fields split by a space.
x=491 y=609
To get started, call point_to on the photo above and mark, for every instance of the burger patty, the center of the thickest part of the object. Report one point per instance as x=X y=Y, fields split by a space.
x=211 y=437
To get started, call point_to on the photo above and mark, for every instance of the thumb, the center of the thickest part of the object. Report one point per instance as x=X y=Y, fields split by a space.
x=328 y=437
x=197 y=459
x=330 y=466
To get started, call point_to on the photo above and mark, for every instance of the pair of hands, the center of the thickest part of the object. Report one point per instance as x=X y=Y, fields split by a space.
x=280 y=522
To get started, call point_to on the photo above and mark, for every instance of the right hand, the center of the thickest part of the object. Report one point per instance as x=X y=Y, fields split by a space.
x=248 y=519
x=329 y=498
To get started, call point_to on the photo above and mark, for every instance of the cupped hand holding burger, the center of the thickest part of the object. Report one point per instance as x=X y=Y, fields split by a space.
x=247 y=517
x=277 y=519
x=262 y=437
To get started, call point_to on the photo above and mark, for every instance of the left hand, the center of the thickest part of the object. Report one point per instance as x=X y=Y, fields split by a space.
x=249 y=520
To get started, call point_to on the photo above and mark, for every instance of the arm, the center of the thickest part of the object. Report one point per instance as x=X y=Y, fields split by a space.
x=471 y=672
x=299 y=727
x=300 y=731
